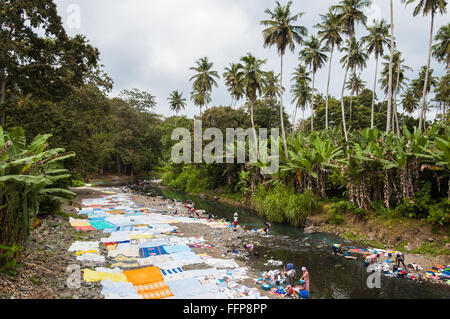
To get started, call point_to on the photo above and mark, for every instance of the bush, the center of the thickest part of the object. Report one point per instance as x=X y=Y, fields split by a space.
x=281 y=204
x=439 y=213
x=419 y=207
x=77 y=183
x=334 y=217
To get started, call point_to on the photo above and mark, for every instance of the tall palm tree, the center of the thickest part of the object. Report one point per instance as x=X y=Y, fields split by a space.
x=253 y=83
x=176 y=101
x=431 y=7
x=314 y=55
x=376 y=40
x=301 y=90
x=272 y=89
x=390 y=80
x=355 y=84
x=356 y=58
x=350 y=13
x=409 y=100
x=441 y=50
x=282 y=32
x=233 y=82
x=423 y=78
x=204 y=80
x=399 y=69
x=330 y=33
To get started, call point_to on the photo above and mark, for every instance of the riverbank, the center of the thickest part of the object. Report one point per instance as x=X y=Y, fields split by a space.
x=421 y=243
x=42 y=265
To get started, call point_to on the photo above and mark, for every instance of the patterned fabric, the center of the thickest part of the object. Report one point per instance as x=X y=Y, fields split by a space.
x=152 y=251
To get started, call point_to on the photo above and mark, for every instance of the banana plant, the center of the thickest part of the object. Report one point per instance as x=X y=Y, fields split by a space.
x=28 y=174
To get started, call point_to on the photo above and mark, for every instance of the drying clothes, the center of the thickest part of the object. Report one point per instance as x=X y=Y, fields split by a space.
x=221 y=263
x=90 y=275
x=187 y=255
x=78 y=222
x=110 y=270
x=126 y=265
x=153 y=242
x=152 y=251
x=166 y=272
x=125 y=250
x=101 y=224
x=144 y=276
x=121 y=289
x=176 y=249
x=156 y=290
x=186 y=288
x=92 y=258
x=152 y=260
x=83 y=252
x=84 y=245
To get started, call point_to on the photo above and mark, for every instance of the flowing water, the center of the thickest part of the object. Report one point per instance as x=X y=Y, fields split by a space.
x=330 y=276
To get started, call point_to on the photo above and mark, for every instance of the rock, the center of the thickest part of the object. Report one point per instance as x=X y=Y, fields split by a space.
x=430 y=240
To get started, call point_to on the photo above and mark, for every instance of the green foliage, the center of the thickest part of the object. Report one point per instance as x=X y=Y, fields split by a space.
x=30 y=176
x=281 y=204
x=440 y=213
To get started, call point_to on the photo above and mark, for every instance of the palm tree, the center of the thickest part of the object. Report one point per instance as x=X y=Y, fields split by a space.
x=349 y=13
x=355 y=84
x=233 y=82
x=427 y=7
x=356 y=58
x=409 y=100
x=398 y=73
x=176 y=102
x=282 y=33
x=376 y=40
x=203 y=82
x=390 y=80
x=253 y=83
x=300 y=90
x=329 y=31
x=314 y=55
x=424 y=78
x=441 y=50
x=272 y=90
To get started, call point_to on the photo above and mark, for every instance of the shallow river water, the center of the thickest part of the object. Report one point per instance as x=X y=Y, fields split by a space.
x=331 y=276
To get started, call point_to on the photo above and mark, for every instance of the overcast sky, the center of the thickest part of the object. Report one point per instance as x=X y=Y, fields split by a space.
x=151 y=44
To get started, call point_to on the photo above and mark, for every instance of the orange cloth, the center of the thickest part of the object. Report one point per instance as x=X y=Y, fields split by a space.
x=144 y=276
x=156 y=290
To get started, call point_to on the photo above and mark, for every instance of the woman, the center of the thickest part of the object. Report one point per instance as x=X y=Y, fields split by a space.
x=305 y=278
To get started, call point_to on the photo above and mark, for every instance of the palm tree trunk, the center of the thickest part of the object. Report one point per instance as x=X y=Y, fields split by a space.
x=295 y=115
x=342 y=103
x=424 y=95
x=395 y=99
x=254 y=129
x=351 y=106
x=372 y=117
x=281 y=111
x=391 y=60
x=2 y=101
x=328 y=88
x=312 y=102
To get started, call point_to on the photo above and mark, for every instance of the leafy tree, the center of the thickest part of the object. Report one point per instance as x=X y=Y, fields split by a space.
x=140 y=100
x=441 y=50
x=203 y=81
x=233 y=82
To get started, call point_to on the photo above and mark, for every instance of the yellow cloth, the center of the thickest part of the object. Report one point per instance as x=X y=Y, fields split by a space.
x=144 y=276
x=90 y=275
x=141 y=236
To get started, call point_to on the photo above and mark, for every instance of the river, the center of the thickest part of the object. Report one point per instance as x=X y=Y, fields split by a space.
x=331 y=276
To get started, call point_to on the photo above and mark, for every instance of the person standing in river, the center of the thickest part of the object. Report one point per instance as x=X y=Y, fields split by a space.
x=235 y=221
x=267 y=227
x=305 y=278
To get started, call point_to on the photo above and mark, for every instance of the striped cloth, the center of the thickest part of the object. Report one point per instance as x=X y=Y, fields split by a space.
x=171 y=271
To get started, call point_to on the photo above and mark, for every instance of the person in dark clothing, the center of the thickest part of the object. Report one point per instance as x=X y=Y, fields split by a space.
x=267 y=227
x=400 y=259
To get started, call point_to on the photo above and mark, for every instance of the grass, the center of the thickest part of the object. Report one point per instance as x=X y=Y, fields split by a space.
x=364 y=240
x=36 y=280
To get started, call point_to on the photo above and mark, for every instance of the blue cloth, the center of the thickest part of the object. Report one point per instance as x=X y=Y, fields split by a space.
x=172 y=271
x=187 y=255
x=289 y=266
x=188 y=287
x=101 y=224
x=152 y=251
x=177 y=249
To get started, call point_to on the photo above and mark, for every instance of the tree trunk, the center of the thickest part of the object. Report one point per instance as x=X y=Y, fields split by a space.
x=372 y=117
x=342 y=103
x=281 y=110
x=254 y=129
x=312 y=102
x=295 y=116
x=2 y=101
x=351 y=106
x=328 y=88
x=395 y=116
x=424 y=95
x=391 y=60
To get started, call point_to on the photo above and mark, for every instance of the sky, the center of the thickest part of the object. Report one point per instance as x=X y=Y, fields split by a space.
x=151 y=44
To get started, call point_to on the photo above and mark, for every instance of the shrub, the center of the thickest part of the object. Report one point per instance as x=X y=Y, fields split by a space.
x=439 y=213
